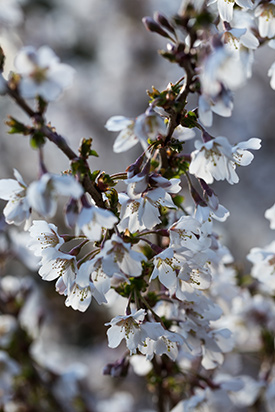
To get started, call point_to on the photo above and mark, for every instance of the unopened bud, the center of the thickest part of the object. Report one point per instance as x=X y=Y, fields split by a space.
x=161 y=19
x=2 y=59
x=117 y=369
x=71 y=213
x=153 y=26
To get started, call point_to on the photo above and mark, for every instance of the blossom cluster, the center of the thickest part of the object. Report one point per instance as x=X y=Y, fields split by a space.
x=143 y=247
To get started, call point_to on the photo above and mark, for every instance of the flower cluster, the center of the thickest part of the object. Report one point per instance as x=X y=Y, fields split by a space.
x=153 y=247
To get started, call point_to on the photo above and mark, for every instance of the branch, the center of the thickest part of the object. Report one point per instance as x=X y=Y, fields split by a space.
x=88 y=185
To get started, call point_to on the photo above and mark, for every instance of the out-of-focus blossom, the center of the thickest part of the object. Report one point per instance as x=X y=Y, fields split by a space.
x=43 y=194
x=266 y=19
x=8 y=370
x=271 y=73
x=225 y=7
x=263 y=269
x=42 y=74
x=270 y=215
x=10 y=13
x=17 y=210
x=221 y=68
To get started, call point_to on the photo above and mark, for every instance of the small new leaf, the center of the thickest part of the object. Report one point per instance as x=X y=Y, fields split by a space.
x=37 y=140
x=17 y=127
x=42 y=105
x=85 y=148
x=189 y=120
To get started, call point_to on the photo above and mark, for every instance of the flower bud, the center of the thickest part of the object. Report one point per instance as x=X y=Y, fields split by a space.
x=153 y=26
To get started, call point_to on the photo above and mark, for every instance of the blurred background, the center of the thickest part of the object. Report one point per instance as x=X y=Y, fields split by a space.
x=116 y=60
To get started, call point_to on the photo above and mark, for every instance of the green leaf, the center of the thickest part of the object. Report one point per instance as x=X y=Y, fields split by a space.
x=189 y=120
x=17 y=127
x=94 y=175
x=85 y=148
x=37 y=140
x=178 y=200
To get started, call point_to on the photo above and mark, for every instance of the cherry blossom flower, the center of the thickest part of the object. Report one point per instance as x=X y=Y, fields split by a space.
x=141 y=211
x=221 y=69
x=127 y=327
x=18 y=208
x=56 y=264
x=217 y=159
x=93 y=219
x=87 y=286
x=270 y=215
x=44 y=235
x=165 y=343
x=225 y=7
x=176 y=268
x=263 y=269
x=118 y=258
x=266 y=19
x=41 y=73
x=43 y=194
x=221 y=104
x=146 y=126
x=271 y=73
x=189 y=233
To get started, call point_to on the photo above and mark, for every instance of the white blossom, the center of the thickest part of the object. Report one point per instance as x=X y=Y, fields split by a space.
x=146 y=126
x=270 y=215
x=41 y=73
x=271 y=73
x=119 y=258
x=165 y=343
x=217 y=159
x=85 y=287
x=43 y=194
x=56 y=264
x=266 y=19
x=17 y=210
x=44 y=235
x=93 y=219
x=263 y=269
x=141 y=211
x=221 y=69
x=127 y=327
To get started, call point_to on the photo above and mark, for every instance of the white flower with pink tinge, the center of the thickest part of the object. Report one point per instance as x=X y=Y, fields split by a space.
x=43 y=193
x=18 y=209
x=146 y=126
x=217 y=159
x=41 y=73
x=44 y=236
x=225 y=7
x=89 y=282
x=92 y=219
x=270 y=215
x=118 y=258
x=127 y=327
